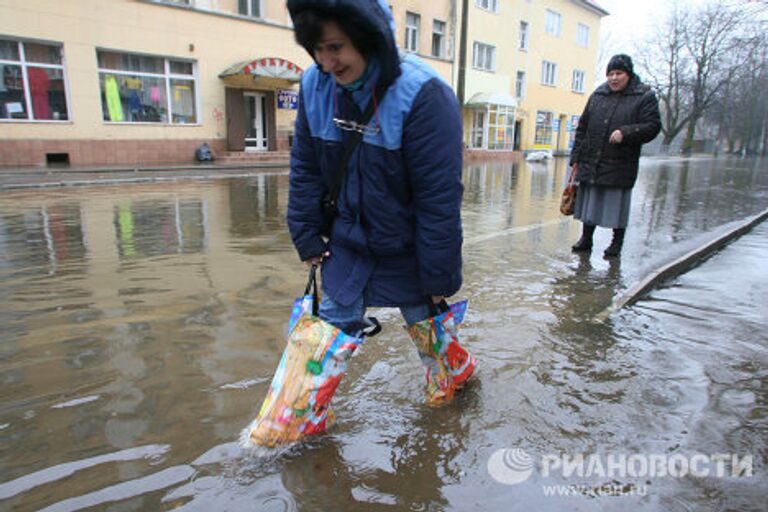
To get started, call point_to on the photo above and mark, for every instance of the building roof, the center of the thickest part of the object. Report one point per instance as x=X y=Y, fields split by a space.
x=590 y=4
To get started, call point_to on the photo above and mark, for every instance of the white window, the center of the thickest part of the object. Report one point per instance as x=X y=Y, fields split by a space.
x=477 y=137
x=501 y=127
x=438 y=38
x=412 y=22
x=577 y=83
x=582 y=35
x=147 y=89
x=32 y=81
x=520 y=85
x=488 y=5
x=548 y=72
x=544 y=123
x=250 y=8
x=522 y=43
x=552 y=23
x=484 y=57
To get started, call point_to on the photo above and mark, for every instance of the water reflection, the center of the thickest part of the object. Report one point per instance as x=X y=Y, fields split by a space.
x=153 y=315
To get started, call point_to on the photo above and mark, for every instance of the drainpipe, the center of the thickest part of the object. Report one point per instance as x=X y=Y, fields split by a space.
x=460 y=86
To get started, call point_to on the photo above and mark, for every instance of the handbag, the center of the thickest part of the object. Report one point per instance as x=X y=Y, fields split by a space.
x=568 y=197
x=328 y=206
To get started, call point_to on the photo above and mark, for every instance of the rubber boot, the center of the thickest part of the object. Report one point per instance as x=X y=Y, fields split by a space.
x=614 y=249
x=585 y=242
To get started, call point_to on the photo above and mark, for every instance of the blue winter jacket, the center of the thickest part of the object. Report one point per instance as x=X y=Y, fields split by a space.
x=397 y=237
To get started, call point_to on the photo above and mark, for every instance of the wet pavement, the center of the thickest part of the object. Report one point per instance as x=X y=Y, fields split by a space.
x=141 y=323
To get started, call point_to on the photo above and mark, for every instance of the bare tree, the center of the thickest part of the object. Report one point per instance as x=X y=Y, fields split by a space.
x=666 y=65
x=709 y=40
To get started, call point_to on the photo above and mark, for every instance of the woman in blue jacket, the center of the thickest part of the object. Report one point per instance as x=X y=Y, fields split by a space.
x=396 y=240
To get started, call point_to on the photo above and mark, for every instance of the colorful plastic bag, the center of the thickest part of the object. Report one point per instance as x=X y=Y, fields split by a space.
x=448 y=365
x=298 y=402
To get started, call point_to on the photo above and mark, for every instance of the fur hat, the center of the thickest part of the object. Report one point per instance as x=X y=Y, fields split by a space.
x=622 y=62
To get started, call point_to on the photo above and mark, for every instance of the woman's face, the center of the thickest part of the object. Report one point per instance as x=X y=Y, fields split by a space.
x=617 y=79
x=338 y=56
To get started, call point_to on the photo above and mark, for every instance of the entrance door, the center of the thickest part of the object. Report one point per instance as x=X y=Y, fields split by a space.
x=255 y=121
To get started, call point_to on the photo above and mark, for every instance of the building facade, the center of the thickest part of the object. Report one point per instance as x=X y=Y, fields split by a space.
x=136 y=82
x=528 y=69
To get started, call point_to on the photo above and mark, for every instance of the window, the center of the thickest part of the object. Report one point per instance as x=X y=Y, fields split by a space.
x=582 y=35
x=520 y=85
x=32 y=81
x=522 y=43
x=438 y=38
x=501 y=127
x=488 y=5
x=552 y=23
x=548 y=73
x=147 y=89
x=250 y=8
x=412 y=22
x=477 y=136
x=577 y=83
x=543 y=136
x=484 y=57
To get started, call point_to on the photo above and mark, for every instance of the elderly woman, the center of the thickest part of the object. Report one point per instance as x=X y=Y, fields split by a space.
x=621 y=115
x=396 y=239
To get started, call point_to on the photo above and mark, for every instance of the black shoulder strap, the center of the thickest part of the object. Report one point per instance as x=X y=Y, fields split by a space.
x=352 y=142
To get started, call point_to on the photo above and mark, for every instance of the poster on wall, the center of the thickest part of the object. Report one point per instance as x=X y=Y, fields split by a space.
x=287 y=99
x=572 y=126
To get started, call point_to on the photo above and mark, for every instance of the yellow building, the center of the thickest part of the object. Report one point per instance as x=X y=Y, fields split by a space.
x=528 y=64
x=135 y=82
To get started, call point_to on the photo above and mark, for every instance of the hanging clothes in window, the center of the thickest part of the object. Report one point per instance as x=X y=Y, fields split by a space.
x=39 y=85
x=112 y=94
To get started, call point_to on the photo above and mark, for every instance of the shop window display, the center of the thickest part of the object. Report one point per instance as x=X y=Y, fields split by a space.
x=32 y=82
x=146 y=89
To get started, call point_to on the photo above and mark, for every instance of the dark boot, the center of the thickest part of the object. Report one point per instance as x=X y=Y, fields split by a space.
x=614 y=249
x=585 y=242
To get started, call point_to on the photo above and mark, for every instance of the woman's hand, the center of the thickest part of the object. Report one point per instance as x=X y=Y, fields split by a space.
x=317 y=260
x=616 y=137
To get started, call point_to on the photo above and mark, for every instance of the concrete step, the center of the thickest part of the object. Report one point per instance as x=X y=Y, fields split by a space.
x=255 y=157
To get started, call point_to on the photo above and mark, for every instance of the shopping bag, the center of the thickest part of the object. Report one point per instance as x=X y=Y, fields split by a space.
x=448 y=365
x=568 y=197
x=298 y=402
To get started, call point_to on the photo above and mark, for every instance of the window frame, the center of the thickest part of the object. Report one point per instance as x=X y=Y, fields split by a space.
x=24 y=64
x=488 y=5
x=479 y=45
x=249 y=8
x=167 y=76
x=582 y=32
x=546 y=67
x=553 y=22
x=520 y=79
x=582 y=78
x=543 y=128
x=440 y=38
x=412 y=32
x=523 y=36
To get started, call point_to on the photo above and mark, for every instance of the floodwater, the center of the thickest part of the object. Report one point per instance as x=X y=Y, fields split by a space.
x=140 y=326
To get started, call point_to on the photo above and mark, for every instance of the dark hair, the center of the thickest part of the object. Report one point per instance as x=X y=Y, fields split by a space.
x=308 y=30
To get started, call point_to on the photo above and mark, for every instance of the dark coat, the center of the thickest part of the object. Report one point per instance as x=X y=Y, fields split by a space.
x=634 y=111
x=397 y=237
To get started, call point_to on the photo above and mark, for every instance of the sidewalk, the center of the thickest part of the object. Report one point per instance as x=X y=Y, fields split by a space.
x=13 y=178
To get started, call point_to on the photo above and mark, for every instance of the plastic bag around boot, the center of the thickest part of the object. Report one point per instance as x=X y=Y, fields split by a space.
x=298 y=402
x=447 y=364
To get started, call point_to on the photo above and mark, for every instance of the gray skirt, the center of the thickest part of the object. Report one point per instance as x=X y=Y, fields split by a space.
x=607 y=207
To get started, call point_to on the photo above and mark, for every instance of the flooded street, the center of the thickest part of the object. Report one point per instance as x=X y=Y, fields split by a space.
x=140 y=325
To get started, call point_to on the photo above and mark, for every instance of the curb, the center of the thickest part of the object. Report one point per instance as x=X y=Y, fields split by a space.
x=677 y=267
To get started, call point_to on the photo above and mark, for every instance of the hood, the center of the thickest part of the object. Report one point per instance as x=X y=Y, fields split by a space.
x=635 y=86
x=373 y=14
